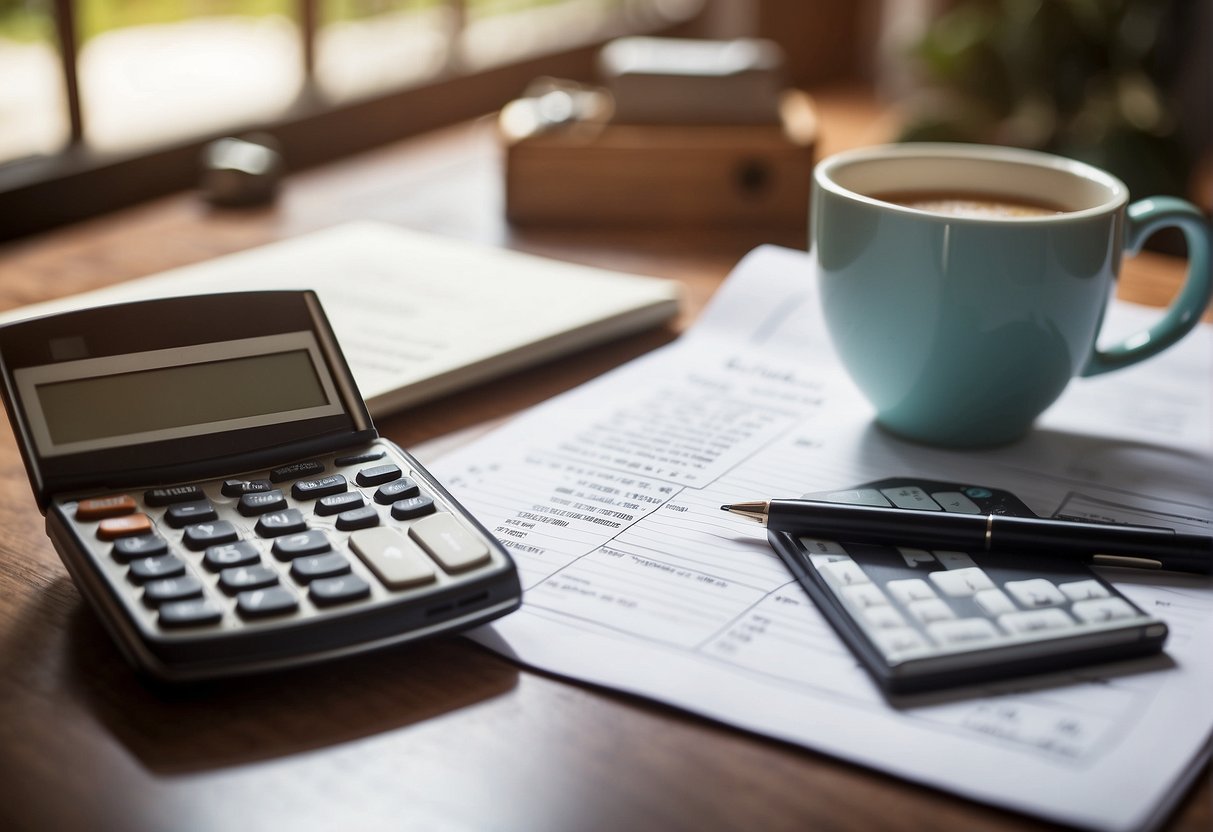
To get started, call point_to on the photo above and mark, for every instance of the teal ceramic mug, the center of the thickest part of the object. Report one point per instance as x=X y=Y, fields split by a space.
x=965 y=285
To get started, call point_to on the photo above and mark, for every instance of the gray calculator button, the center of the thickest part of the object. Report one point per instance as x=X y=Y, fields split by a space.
x=395 y=560
x=909 y=590
x=161 y=566
x=127 y=549
x=204 y=535
x=328 y=591
x=319 y=566
x=238 y=488
x=303 y=544
x=241 y=578
x=261 y=502
x=338 y=503
x=856 y=496
x=163 y=590
x=961 y=583
x=823 y=547
x=240 y=553
x=281 y=522
x=448 y=542
x=1035 y=621
x=195 y=612
x=963 y=631
x=358 y=518
x=1084 y=590
x=413 y=507
x=259 y=603
x=955 y=501
x=1103 y=609
x=186 y=514
x=994 y=602
x=378 y=474
x=928 y=612
x=910 y=496
x=915 y=557
x=1035 y=592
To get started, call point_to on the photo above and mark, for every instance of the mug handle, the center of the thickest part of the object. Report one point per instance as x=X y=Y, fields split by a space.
x=1143 y=218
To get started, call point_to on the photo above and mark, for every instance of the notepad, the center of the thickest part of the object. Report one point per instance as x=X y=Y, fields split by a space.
x=420 y=315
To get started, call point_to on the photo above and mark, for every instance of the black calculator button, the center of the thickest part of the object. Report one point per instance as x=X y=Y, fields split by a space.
x=338 y=503
x=312 y=567
x=195 y=612
x=157 y=497
x=358 y=459
x=378 y=474
x=418 y=506
x=259 y=603
x=328 y=591
x=311 y=542
x=358 y=518
x=127 y=549
x=252 y=505
x=281 y=522
x=240 y=553
x=204 y=535
x=401 y=489
x=241 y=578
x=297 y=470
x=161 y=566
x=186 y=514
x=238 y=488
x=163 y=590
x=314 y=489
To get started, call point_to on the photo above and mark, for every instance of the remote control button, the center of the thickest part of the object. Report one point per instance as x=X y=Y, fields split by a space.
x=413 y=507
x=127 y=549
x=241 y=578
x=449 y=543
x=864 y=595
x=203 y=535
x=158 y=497
x=193 y=613
x=1035 y=621
x=240 y=553
x=358 y=518
x=280 y=523
x=164 y=590
x=325 y=592
x=963 y=631
x=261 y=502
x=956 y=502
x=401 y=489
x=994 y=602
x=311 y=542
x=238 y=488
x=961 y=583
x=1034 y=592
x=928 y=612
x=378 y=474
x=397 y=561
x=112 y=528
x=338 y=503
x=358 y=459
x=260 y=603
x=162 y=566
x=909 y=590
x=844 y=573
x=312 y=567
x=1084 y=590
x=314 y=489
x=186 y=514
x=910 y=496
x=99 y=508
x=1097 y=610
x=297 y=470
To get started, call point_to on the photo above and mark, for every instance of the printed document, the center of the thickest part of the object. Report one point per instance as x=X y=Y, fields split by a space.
x=609 y=499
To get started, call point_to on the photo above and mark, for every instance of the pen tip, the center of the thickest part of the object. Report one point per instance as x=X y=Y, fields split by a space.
x=726 y=508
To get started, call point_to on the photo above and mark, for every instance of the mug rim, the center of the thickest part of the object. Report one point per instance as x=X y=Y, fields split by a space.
x=825 y=170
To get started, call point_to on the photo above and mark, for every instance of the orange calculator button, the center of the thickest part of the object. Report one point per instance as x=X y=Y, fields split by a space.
x=115 y=527
x=100 y=507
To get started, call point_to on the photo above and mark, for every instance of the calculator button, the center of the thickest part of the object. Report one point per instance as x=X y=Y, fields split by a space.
x=358 y=518
x=311 y=542
x=823 y=547
x=844 y=573
x=297 y=470
x=954 y=560
x=164 y=590
x=378 y=474
x=158 y=497
x=127 y=549
x=161 y=566
x=314 y=489
x=1102 y=609
x=319 y=566
x=395 y=560
x=261 y=502
x=1035 y=621
x=956 y=502
x=401 y=489
x=864 y=595
x=895 y=642
x=203 y=535
x=358 y=459
x=963 y=631
x=994 y=602
x=928 y=612
x=259 y=603
x=1035 y=592
x=112 y=528
x=857 y=496
x=819 y=559
x=280 y=523
x=449 y=543
x=327 y=591
x=338 y=503
x=914 y=557
x=1084 y=590
x=238 y=488
x=960 y=583
x=240 y=553
x=192 y=613
x=413 y=507
x=883 y=618
x=910 y=497
x=101 y=507
x=909 y=590
x=241 y=578
x=186 y=514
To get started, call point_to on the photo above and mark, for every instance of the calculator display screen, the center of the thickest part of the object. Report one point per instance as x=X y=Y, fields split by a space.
x=114 y=401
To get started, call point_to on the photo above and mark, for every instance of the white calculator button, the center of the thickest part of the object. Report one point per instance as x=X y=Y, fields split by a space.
x=844 y=573
x=1084 y=590
x=994 y=602
x=910 y=497
x=883 y=618
x=1035 y=621
x=913 y=557
x=1103 y=609
x=894 y=643
x=955 y=501
x=928 y=612
x=1034 y=592
x=960 y=583
x=963 y=631
x=909 y=590
x=955 y=560
x=864 y=595
x=821 y=560
x=857 y=496
x=822 y=547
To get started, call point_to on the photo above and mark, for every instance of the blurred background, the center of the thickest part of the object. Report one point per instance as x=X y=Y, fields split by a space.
x=107 y=102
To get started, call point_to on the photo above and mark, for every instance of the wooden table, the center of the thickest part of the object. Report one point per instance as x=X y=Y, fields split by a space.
x=444 y=735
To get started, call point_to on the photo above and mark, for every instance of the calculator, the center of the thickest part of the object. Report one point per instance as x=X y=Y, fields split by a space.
x=921 y=620
x=213 y=482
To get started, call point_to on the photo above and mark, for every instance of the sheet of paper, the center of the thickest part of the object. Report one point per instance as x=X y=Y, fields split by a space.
x=419 y=315
x=609 y=498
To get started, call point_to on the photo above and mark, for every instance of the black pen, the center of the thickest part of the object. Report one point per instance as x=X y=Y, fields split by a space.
x=1096 y=543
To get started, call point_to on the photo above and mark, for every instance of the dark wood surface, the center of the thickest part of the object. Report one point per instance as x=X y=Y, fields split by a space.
x=440 y=736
